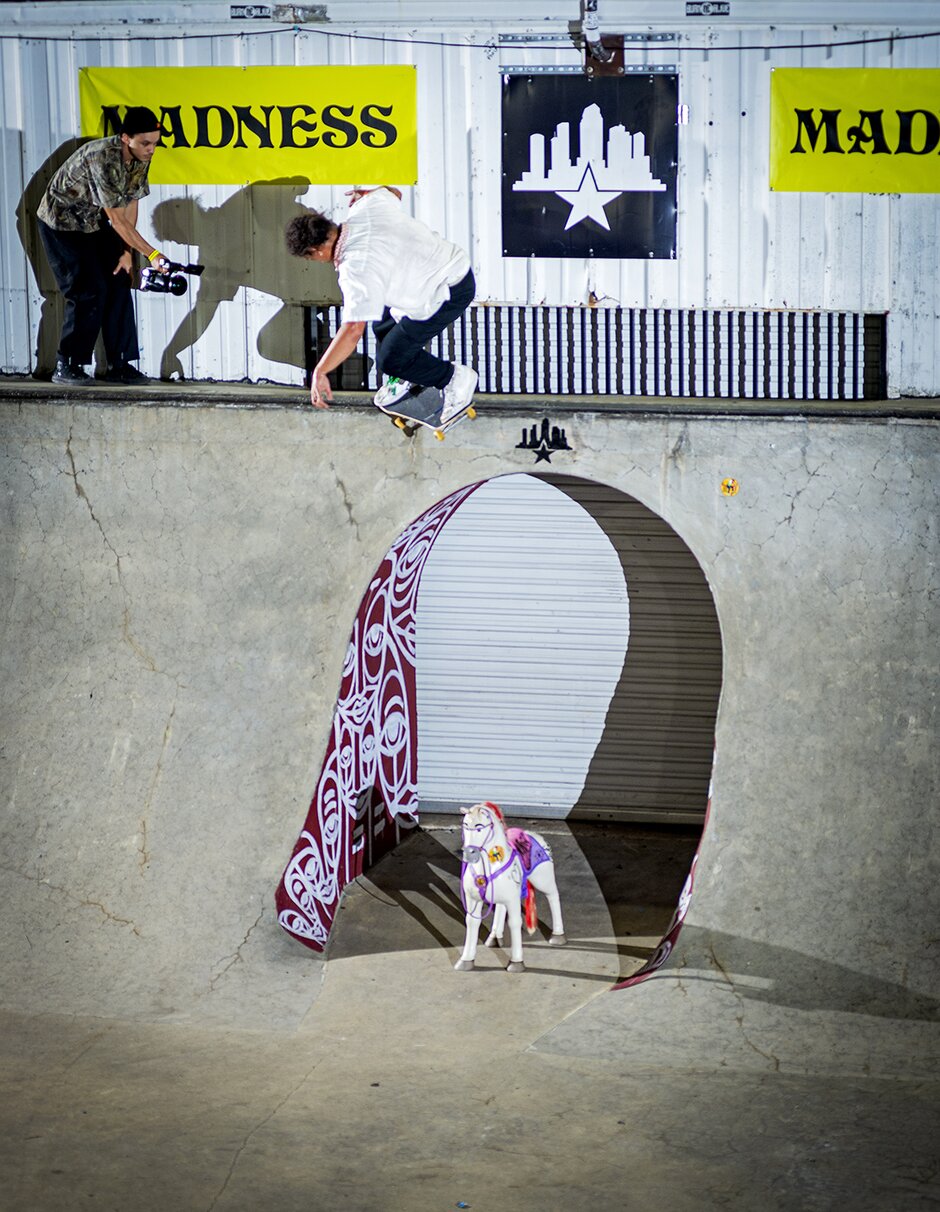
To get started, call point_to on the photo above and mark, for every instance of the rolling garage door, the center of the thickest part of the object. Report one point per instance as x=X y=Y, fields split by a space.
x=522 y=628
x=528 y=691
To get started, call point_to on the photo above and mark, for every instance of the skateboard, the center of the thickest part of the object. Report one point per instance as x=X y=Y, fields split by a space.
x=421 y=406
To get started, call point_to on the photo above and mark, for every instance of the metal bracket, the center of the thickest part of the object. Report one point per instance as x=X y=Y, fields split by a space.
x=548 y=39
x=562 y=69
x=613 y=66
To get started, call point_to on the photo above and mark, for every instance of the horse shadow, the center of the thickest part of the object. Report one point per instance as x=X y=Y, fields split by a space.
x=419 y=879
x=241 y=243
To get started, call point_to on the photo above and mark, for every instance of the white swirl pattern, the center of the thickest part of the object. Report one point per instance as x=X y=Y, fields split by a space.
x=373 y=741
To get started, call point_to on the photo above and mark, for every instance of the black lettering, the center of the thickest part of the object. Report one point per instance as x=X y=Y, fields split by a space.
x=906 y=133
x=347 y=130
x=386 y=129
x=260 y=129
x=171 y=123
x=877 y=137
x=226 y=124
x=111 y=120
x=289 y=124
x=805 y=123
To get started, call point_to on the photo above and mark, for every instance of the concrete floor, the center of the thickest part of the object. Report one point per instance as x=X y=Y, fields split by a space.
x=408 y=1087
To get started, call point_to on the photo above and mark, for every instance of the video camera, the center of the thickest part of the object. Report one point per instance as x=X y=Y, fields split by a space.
x=169 y=281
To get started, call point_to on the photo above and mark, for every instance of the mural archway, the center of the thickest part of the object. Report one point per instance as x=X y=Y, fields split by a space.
x=366 y=796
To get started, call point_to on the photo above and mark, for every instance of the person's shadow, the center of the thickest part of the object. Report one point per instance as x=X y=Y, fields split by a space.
x=241 y=243
x=52 y=312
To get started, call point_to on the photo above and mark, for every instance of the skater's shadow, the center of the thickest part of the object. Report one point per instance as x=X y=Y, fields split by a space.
x=241 y=243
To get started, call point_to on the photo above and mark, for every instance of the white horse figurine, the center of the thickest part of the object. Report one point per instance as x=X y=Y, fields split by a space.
x=501 y=871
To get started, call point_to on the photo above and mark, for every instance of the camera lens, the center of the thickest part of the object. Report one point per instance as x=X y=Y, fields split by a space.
x=176 y=284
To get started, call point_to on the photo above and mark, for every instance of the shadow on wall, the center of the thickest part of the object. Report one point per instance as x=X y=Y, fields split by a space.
x=241 y=243
x=764 y=972
x=654 y=760
x=27 y=227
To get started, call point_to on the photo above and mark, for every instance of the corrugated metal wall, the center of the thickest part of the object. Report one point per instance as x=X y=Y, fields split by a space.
x=739 y=245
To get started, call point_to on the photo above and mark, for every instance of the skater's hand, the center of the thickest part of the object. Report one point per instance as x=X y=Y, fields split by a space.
x=124 y=262
x=320 y=390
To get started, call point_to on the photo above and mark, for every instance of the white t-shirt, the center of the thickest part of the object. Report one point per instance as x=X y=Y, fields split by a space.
x=384 y=258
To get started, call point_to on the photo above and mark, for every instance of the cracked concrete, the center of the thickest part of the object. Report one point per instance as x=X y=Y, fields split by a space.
x=177 y=597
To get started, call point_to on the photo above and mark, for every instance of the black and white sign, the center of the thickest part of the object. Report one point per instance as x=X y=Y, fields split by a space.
x=249 y=12
x=544 y=442
x=589 y=166
x=707 y=8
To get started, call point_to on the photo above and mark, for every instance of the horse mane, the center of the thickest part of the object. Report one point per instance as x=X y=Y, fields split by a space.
x=494 y=808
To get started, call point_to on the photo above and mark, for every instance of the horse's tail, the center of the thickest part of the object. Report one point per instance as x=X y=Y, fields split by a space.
x=531 y=917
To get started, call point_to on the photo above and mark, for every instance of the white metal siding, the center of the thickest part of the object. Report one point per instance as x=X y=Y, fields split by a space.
x=739 y=244
x=522 y=629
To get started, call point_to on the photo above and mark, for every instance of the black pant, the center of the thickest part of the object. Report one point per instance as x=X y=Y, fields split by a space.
x=400 y=344
x=96 y=298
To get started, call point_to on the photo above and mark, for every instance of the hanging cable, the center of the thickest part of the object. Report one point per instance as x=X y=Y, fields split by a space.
x=491 y=46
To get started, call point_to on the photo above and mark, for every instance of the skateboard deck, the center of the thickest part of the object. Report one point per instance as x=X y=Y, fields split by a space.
x=422 y=407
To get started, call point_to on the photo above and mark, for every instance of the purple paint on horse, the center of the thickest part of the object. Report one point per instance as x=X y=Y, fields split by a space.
x=530 y=850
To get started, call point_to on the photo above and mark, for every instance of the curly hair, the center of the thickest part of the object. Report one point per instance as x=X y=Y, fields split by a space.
x=306 y=232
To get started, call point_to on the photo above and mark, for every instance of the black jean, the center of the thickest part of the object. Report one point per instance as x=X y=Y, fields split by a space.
x=96 y=298
x=400 y=343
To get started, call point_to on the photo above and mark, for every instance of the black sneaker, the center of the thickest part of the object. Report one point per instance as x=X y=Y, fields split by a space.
x=71 y=374
x=123 y=372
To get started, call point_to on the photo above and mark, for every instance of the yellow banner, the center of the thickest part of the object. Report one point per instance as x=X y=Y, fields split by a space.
x=855 y=130
x=238 y=125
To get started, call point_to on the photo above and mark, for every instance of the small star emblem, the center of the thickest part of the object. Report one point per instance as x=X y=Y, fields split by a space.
x=587 y=201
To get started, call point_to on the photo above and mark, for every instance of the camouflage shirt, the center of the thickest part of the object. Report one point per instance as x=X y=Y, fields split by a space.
x=91 y=178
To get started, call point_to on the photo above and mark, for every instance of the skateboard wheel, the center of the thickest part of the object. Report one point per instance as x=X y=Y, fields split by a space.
x=399 y=423
x=471 y=413
x=439 y=434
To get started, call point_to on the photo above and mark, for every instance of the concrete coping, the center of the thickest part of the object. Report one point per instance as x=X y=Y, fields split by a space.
x=281 y=397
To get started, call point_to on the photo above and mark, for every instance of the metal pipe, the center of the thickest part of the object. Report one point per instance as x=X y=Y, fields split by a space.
x=590 y=28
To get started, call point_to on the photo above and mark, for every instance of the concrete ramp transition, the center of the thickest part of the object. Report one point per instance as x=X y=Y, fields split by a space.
x=179 y=587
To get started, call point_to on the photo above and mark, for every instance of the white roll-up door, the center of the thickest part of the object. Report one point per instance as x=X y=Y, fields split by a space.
x=522 y=630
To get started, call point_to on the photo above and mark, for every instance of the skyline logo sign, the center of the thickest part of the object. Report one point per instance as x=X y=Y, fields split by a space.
x=589 y=166
x=601 y=173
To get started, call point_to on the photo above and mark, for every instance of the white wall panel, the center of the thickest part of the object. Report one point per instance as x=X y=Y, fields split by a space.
x=739 y=245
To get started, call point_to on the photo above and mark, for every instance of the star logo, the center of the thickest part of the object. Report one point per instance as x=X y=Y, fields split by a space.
x=543 y=442
x=587 y=201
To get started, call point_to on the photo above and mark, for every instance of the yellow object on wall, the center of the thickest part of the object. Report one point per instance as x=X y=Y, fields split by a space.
x=855 y=130
x=239 y=125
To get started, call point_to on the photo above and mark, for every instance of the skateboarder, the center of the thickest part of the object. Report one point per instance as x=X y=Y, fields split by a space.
x=397 y=273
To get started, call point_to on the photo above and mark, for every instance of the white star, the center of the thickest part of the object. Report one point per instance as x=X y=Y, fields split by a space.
x=587 y=201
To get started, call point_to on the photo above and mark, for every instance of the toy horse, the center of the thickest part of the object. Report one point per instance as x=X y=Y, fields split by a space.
x=501 y=870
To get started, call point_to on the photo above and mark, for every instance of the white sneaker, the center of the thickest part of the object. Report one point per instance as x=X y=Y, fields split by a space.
x=458 y=393
x=392 y=390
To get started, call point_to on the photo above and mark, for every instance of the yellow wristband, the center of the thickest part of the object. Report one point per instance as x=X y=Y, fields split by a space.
x=153 y=256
